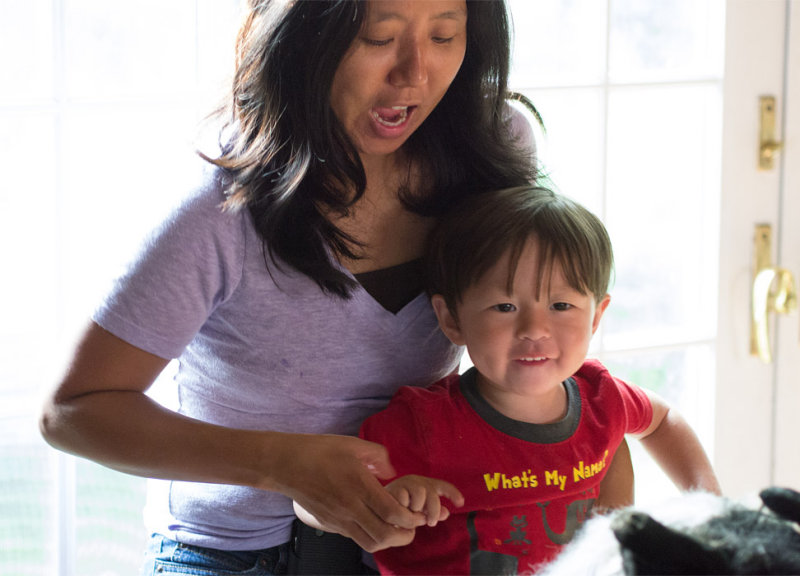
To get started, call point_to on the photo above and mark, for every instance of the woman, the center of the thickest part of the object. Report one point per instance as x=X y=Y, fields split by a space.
x=287 y=284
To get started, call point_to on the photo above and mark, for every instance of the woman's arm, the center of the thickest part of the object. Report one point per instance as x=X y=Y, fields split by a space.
x=675 y=447
x=100 y=411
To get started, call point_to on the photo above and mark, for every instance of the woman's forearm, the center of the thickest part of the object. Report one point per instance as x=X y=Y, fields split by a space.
x=100 y=410
x=130 y=432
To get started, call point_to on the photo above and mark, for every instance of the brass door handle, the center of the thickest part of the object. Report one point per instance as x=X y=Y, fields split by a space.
x=773 y=291
x=782 y=299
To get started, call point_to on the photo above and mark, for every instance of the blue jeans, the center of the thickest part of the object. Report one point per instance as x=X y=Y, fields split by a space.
x=165 y=557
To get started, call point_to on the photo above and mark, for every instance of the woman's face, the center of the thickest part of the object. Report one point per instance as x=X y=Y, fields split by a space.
x=397 y=70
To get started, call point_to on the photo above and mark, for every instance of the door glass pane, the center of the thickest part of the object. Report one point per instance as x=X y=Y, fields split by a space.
x=27 y=506
x=119 y=191
x=558 y=42
x=217 y=25
x=28 y=339
x=110 y=535
x=666 y=40
x=29 y=253
x=574 y=121
x=26 y=51
x=126 y=50
x=662 y=197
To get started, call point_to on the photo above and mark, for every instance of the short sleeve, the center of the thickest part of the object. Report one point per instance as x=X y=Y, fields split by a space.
x=638 y=409
x=189 y=265
x=635 y=404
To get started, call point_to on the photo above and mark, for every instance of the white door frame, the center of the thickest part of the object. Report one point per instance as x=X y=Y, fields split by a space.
x=756 y=403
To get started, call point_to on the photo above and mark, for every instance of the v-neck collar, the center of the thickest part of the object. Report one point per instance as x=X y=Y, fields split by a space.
x=404 y=316
x=396 y=286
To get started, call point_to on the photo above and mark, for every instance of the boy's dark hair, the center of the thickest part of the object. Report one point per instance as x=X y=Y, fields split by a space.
x=290 y=161
x=484 y=228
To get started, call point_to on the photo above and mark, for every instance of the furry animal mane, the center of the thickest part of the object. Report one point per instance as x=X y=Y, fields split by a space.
x=697 y=533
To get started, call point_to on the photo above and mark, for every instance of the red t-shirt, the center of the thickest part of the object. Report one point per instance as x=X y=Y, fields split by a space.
x=527 y=487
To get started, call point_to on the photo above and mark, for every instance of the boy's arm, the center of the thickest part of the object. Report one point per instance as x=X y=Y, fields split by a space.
x=675 y=447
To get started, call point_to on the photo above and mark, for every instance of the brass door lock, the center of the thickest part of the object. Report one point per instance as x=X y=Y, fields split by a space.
x=768 y=145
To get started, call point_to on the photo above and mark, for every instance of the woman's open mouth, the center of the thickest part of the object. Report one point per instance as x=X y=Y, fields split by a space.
x=392 y=117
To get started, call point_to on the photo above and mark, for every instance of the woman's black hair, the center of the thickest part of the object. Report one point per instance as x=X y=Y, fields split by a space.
x=290 y=162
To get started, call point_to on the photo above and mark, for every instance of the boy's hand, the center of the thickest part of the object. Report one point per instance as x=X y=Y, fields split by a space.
x=421 y=494
x=334 y=483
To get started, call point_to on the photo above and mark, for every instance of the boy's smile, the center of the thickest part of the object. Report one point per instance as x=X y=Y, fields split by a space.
x=524 y=344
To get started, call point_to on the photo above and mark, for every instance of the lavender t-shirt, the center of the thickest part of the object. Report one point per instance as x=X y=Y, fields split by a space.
x=258 y=348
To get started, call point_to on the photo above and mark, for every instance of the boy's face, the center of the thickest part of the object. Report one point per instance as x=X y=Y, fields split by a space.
x=522 y=347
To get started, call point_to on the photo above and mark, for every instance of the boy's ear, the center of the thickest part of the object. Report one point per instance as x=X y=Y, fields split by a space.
x=447 y=322
x=599 y=310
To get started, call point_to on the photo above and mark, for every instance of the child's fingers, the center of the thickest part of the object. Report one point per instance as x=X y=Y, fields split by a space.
x=403 y=497
x=418 y=496
x=434 y=509
x=422 y=494
x=450 y=492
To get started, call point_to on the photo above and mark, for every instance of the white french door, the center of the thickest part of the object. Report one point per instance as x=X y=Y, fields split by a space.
x=757 y=403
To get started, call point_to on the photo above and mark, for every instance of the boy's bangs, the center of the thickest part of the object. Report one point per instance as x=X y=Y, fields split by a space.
x=549 y=253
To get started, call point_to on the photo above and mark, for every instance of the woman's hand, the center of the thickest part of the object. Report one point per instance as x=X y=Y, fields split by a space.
x=334 y=483
x=416 y=493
